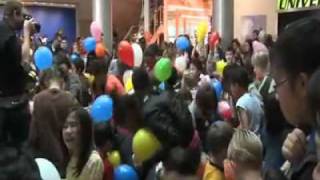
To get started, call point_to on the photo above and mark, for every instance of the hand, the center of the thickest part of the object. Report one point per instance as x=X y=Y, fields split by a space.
x=28 y=26
x=294 y=147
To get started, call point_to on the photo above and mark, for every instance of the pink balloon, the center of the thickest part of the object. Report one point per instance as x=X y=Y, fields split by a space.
x=96 y=31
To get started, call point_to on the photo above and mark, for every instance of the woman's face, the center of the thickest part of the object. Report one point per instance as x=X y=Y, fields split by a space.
x=292 y=96
x=235 y=45
x=246 y=47
x=71 y=132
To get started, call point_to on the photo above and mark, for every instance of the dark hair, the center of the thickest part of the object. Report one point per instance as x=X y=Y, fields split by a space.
x=206 y=97
x=152 y=51
x=86 y=138
x=10 y=7
x=61 y=58
x=240 y=76
x=249 y=41
x=168 y=117
x=295 y=53
x=227 y=76
x=140 y=79
x=236 y=41
x=103 y=132
x=314 y=91
x=183 y=161
x=17 y=164
x=269 y=41
x=230 y=49
x=273 y=174
x=51 y=108
x=275 y=120
x=46 y=76
x=198 y=64
x=79 y=65
x=124 y=106
x=218 y=137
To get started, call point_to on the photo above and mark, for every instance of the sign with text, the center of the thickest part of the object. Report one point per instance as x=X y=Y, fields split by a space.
x=287 y=5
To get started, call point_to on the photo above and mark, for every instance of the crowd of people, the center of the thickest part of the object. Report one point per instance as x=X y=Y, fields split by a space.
x=247 y=111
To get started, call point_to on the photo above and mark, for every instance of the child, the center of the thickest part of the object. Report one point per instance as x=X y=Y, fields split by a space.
x=204 y=109
x=103 y=137
x=218 y=138
x=248 y=105
x=181 y=163
x=264 y=83
x=245 y=153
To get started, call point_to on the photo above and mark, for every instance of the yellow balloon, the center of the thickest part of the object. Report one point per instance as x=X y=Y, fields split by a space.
x=144 y=145
x=114 y=158
x=220 y=65
x=129 y=85
x=202 y=30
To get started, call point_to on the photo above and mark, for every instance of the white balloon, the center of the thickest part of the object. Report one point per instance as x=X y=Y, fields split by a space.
x=138 y=54
x=180 y=63
x=47 y=170
x=126 y=76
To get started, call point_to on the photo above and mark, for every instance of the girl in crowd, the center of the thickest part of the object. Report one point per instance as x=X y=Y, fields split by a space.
x=51 y=108
x=84 y=161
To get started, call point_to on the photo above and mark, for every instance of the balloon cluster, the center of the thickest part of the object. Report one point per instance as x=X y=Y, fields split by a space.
x=94 y=43
x=130 y=55
x=202 y=31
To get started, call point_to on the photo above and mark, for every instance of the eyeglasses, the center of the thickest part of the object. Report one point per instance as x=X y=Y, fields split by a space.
x=277 y=85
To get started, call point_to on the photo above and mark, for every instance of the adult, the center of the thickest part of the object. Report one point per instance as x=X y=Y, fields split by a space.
x=51 y=108
x=14 y=114
x=294 y=59
x=85 y=162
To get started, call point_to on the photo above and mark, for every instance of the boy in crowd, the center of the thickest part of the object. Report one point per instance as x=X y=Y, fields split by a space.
x=249 y=106
x=245 y=155
x=103 y=137
x=218 y=138
x=263 y=83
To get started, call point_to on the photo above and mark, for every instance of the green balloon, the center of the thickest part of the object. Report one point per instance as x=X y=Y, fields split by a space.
x=163 y=69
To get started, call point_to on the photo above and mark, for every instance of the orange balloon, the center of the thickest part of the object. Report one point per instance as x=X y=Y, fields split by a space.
x=100 y=50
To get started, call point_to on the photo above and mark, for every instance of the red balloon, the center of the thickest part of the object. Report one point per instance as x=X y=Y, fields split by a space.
x=225 y=110
x=214 y=39
x=125 y=53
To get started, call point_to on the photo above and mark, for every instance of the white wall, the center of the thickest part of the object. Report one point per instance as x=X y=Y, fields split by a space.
x=255 y=7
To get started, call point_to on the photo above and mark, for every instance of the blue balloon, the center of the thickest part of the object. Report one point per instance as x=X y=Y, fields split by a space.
x=218 y=88
x=182 y=43
x=89 y=44
x=125 y=172
x=102 y=108
x=74 y=57
x=43 y=58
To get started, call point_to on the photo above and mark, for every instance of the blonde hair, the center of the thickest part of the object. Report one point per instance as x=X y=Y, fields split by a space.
x=245 y=148
x=261 y=59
